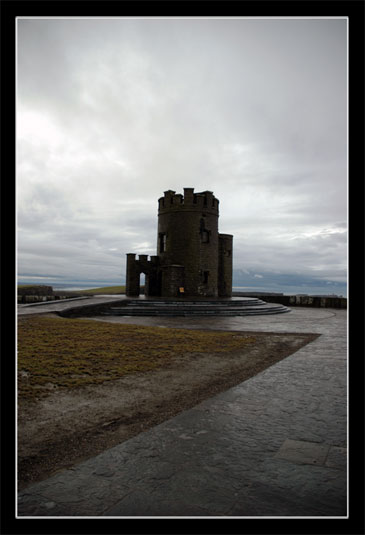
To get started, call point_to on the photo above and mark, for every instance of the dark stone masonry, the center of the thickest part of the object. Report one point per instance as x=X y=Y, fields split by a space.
x=193 y=259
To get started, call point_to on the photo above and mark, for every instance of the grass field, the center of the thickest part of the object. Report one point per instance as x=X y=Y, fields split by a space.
x=107 y=290
x=93 y=291
x=68 y=353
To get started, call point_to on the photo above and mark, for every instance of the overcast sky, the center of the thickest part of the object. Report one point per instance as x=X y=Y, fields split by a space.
x=113 y=112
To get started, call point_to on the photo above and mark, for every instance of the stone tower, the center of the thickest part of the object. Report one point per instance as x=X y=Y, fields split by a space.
x=192 y=259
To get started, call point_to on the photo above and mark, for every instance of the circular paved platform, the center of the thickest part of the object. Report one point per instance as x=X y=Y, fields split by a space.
x=120 y=305
x=248 y=306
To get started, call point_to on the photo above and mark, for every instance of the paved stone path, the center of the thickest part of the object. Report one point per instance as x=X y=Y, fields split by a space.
x=65 y=304
x=275 y=445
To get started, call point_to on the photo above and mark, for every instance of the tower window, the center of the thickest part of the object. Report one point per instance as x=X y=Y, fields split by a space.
x=162 y=243
x=205 y=236
x=205 y=277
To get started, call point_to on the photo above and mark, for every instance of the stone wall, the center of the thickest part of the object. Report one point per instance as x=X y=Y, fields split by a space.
x=300 y=300
x=225 y=265
x=39 y=294
x=35 y=290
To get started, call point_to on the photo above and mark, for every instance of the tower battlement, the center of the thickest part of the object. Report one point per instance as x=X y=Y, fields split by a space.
x=204 y=200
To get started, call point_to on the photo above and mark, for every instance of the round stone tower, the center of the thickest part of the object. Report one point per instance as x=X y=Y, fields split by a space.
x=188 y=243
x=193 y=259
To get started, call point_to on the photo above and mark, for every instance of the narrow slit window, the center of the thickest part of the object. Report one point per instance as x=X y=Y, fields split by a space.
x=205 y=236
x=163 y=241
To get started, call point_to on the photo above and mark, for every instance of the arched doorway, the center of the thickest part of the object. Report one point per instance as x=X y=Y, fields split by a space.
x=142 y=283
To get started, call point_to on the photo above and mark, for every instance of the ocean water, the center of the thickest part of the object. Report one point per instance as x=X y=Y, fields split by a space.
x=291 y=290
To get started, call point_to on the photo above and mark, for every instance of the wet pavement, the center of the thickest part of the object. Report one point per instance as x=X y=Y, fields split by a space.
x=273 y=446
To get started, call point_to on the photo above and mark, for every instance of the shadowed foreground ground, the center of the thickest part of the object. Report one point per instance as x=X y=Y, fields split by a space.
x=85 y=386
x=274 y=445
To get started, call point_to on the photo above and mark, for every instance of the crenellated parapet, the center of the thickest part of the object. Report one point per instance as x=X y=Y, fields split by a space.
x=189 y=201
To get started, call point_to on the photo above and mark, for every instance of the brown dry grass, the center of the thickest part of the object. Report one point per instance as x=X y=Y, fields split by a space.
x=69 y=353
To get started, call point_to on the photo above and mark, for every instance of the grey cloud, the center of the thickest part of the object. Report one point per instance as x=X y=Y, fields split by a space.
x=254 y=110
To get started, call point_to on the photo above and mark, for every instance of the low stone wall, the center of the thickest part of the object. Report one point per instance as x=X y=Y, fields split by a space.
x=325 y=302
x=23 y=299
x=35 y=290
x=300 y=300
x=41 y=293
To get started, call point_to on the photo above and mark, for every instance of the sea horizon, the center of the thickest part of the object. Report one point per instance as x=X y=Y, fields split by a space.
x=324 y=290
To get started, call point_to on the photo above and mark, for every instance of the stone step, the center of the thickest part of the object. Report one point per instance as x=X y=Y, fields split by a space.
x=197 y=309
x=201 y=303
x=201 y=310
